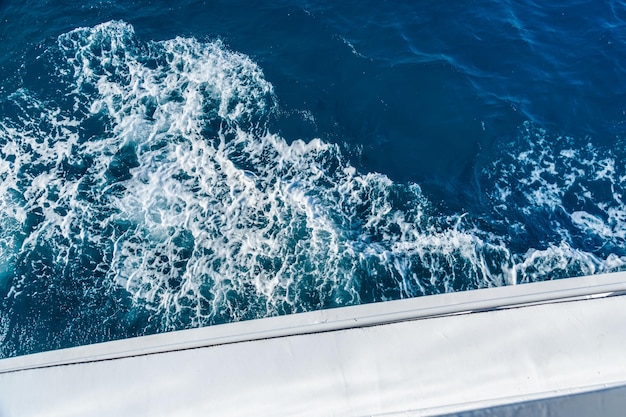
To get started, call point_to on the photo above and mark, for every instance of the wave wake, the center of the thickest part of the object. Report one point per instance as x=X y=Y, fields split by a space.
x=144 y=191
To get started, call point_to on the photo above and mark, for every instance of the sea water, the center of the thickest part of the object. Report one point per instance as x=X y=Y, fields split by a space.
x=170 y=165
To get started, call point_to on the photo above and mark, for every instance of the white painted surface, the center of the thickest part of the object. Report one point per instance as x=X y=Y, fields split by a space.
x=426 y=366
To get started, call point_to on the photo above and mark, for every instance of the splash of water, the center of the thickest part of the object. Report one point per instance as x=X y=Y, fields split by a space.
x=146 y=192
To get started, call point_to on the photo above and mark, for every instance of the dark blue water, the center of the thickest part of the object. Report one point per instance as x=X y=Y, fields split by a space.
x=168 y=165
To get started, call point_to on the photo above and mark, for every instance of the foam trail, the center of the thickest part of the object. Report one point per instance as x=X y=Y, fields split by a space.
x=567 y=202
x=152 y=197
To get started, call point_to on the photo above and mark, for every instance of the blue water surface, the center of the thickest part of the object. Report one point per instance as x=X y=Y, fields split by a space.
x=169 y=165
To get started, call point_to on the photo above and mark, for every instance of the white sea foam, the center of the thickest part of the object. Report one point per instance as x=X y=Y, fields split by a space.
x=578 y=193
x=181 y=196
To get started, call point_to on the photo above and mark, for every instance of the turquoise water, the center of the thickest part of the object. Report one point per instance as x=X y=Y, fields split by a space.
x=187 y=164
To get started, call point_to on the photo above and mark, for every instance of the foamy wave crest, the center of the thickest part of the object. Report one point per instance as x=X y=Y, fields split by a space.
x=141 y=189
x=560 y=206
x=153 y=179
